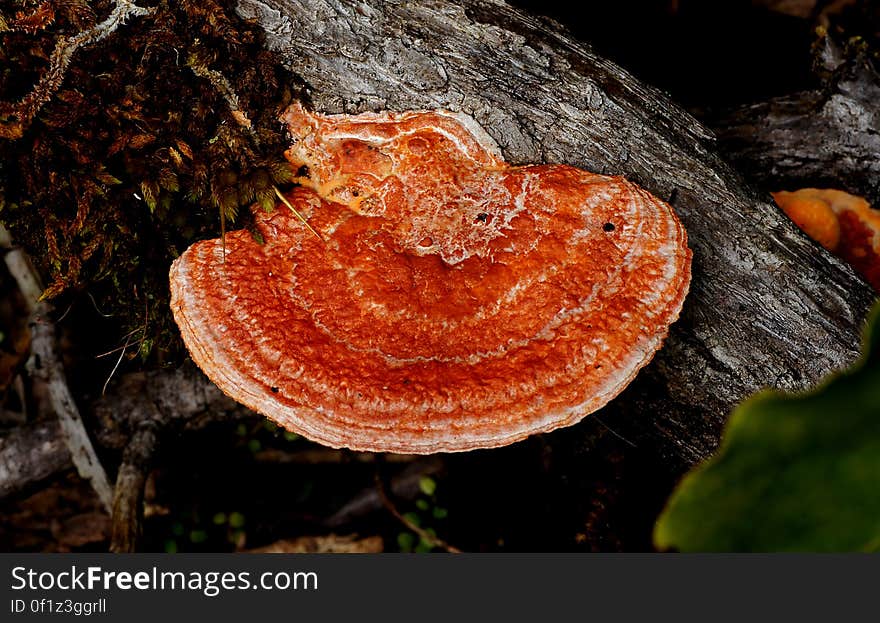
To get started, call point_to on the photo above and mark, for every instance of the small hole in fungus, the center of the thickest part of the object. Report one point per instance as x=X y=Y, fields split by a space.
x=427 y=241
x=355 y=193
x=608 y=227
x=274 y=390
x=303 y=171
x=482 y=217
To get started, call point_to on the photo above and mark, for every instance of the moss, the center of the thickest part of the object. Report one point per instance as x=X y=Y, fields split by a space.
x=157 y=136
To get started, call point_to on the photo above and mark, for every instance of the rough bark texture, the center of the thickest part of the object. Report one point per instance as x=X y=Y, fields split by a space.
x=766 y=308
x=128 y=494
x=824 y=138
x=30 y=453
x=183 y=399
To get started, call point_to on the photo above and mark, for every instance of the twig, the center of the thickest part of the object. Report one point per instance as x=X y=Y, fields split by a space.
x=95 y=305
x=426 y=536
x=403 y=485
x=128 y=496
x=184 y=396
x=615 y=433
x=118 y=361
x=298 y=215
x=23 y=111
x=45 y=364
x=22 y=271
x=224 y=88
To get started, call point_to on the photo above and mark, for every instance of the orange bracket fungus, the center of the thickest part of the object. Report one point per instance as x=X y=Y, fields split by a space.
x=844 y=224
x=448 y=302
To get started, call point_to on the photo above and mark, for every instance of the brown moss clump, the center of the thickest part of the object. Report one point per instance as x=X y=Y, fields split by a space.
x=148 y=136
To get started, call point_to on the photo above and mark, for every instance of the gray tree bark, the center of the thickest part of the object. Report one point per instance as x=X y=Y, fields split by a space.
x=767 y=307
x=138 y=405
x=31 y=453
x=828 y=137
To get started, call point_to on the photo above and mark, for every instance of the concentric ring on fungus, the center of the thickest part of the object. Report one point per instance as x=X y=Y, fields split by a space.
x=451 y=302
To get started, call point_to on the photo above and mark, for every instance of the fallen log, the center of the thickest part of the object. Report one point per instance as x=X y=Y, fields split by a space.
x=766 y=308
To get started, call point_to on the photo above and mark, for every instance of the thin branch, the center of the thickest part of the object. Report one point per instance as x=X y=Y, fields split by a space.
x=224 y=88
x=423 y=534
x=45 y=364
x=403 y=486
x=22 y=112
x=185 y=396
x=298 y=215
x=128 y=496
x=21 y=269
x=118 y=361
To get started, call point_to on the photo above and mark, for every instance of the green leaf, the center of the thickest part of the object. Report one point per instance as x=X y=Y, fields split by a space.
x=198 y=536
x=266 y=199
x=145 y=349
x=428 y=485
x=150 y=191
x=413 y=518
x=795 y=472
x=406 y=541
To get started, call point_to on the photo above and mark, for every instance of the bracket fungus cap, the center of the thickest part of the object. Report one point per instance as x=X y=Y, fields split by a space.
x=843 y=223
x=450 y=302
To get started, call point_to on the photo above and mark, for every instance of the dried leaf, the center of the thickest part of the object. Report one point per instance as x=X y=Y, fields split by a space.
x=330 y=544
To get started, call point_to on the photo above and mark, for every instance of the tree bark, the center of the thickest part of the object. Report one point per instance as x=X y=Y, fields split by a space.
x=828 y=137
x=767 y=307
x=181 y=400
x=128 y=493
x=31 y=453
